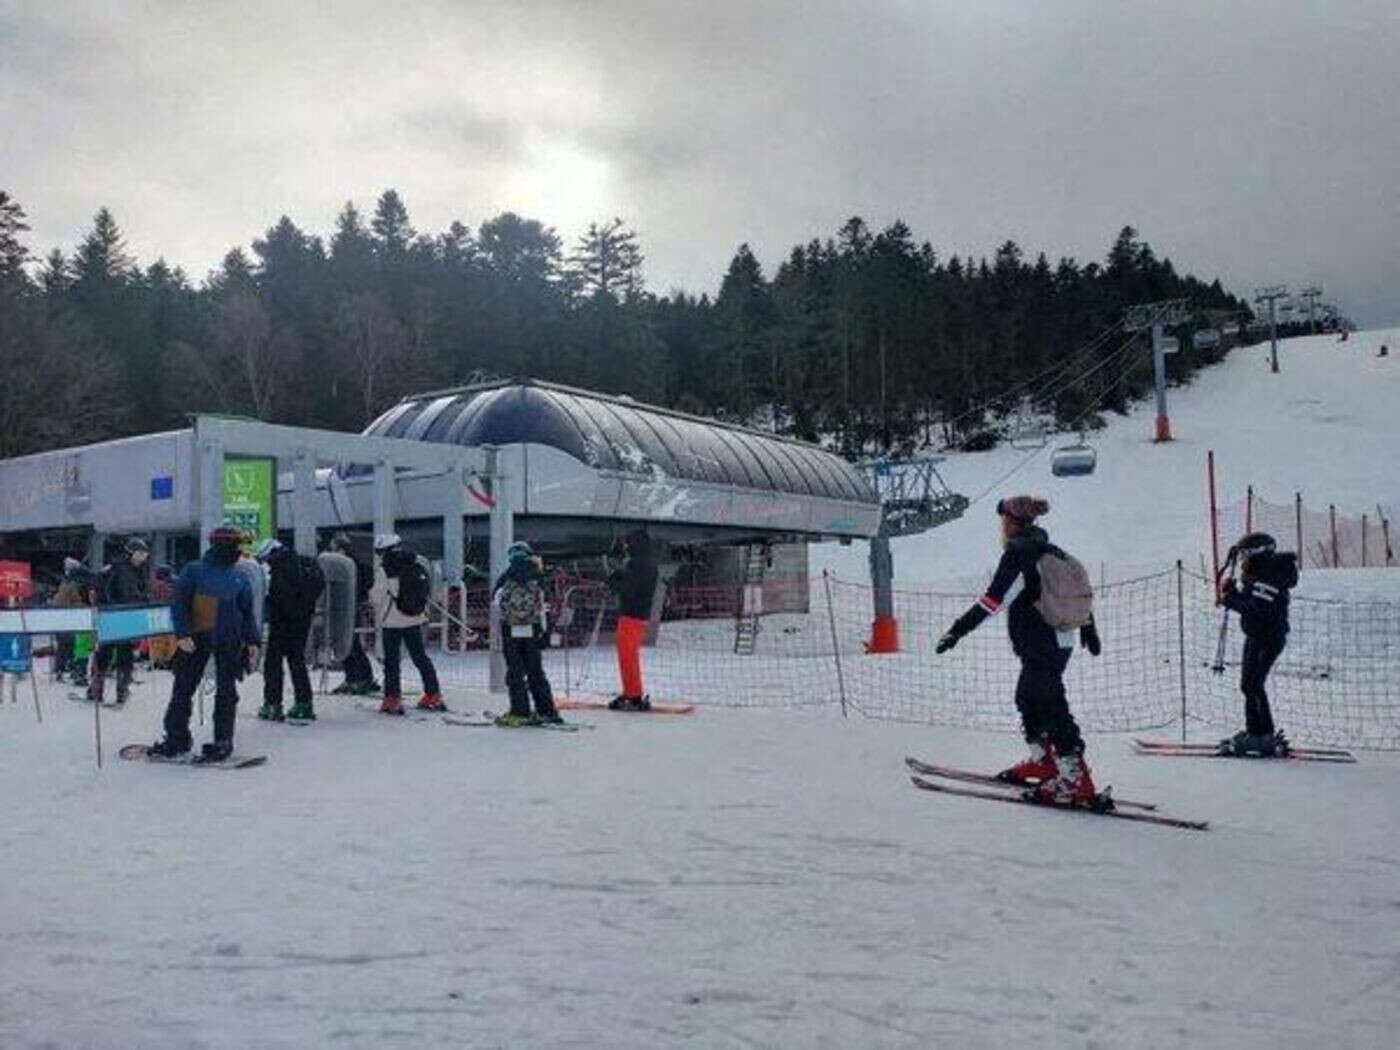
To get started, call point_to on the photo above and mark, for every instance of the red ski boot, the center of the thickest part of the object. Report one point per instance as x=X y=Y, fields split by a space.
x=1037 y=769
x=1072 y=786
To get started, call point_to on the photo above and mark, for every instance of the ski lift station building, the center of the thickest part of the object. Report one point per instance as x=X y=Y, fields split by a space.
x=570 y=468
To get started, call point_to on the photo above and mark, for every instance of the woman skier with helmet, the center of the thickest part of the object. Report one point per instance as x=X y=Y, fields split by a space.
x=1261 y=599
x=1056 y=764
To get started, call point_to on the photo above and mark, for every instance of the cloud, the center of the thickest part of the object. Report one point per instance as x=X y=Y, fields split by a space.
x=1252 y=140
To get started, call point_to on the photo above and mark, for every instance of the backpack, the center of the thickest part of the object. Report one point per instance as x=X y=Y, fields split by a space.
x=521 y=602
x=1066 y=596
x=308 y=584
x=414 y=586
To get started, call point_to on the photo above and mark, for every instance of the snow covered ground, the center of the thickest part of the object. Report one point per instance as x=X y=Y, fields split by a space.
x=737 y=878
x=729 y=879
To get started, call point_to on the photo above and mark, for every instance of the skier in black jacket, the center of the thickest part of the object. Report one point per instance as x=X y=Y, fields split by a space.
x=292 y=593
x=126 y=582
x=1056 y=760
x=635 y=584
x=1261 y=599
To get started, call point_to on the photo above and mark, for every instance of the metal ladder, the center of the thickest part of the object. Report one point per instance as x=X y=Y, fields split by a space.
x=756 y=559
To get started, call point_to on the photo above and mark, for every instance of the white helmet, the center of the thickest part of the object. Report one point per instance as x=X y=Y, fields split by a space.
x=385 y=540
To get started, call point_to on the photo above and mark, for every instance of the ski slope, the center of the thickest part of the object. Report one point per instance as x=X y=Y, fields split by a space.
x=1327 y=425
x=736 y=878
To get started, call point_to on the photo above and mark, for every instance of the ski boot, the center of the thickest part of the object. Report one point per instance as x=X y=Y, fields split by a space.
x=169 y=748
x=1037 y=768
x=271 y=712
x=215 y=751
x=1236 y=745
x=630 y=703
x=1072 y=785
x=512 y=720
x=392 y=705
x=345 y=688
x=550 y=717
x=431 y=702
x=302 y=711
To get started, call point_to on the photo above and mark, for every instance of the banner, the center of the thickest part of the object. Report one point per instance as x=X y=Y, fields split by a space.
x=250 y=495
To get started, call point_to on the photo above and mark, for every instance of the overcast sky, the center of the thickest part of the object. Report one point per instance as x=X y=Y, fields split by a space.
x=1256 y=140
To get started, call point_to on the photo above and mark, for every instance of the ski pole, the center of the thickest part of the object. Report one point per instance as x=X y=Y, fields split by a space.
x=1219 y=666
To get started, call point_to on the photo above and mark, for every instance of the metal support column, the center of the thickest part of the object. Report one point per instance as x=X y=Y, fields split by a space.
x=502 y=536
x=304 y=502
x=884 y=632
x=383 y=497
x=1159 y=374
x=211 y=490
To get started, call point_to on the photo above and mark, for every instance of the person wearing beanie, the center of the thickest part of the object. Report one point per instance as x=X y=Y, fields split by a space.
x=125 y=582
x=1054 y=586
x=399 y=597
x=519 y=597
x=212 y=610
x=635 y=585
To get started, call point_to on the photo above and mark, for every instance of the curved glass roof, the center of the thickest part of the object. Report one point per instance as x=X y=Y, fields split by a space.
x=617 y=434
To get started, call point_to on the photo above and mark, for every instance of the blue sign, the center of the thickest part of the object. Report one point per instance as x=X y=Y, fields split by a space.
x=118 y=624
x=14 y=653
x=162 y=488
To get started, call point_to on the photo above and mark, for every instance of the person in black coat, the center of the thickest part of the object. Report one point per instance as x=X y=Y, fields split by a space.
x=125 y=582
x=635 y=584
x=292 y=593
x=1057 y=748
x=1261 y=600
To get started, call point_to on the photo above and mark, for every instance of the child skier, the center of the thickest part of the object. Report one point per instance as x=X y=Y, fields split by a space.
x=1261 y=599
x=519 y=596
x=1056 y=590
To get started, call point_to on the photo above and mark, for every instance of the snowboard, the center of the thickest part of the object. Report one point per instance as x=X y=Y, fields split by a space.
x=657 y=707
x=142 y=752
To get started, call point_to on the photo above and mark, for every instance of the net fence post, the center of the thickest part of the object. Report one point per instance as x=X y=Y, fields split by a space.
x=1298 y=525
x=835 y=645
x=1181 y=640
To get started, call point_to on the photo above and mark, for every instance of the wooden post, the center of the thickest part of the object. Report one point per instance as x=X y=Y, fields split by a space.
x=1298 y=525
x=1332 y=513
x=1249 y=508
x=1214 y=521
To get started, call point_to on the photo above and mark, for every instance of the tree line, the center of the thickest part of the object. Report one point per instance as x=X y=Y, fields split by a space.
x=866 y=340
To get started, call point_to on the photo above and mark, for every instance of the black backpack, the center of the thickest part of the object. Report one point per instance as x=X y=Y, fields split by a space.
x=414 y=586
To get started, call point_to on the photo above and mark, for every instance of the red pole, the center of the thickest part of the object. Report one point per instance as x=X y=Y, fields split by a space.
x=1249 y=508
x=1214 y=521
x=1298 y=525
x=1332 y=511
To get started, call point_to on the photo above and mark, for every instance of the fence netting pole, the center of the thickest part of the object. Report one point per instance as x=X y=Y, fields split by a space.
x=835 y=645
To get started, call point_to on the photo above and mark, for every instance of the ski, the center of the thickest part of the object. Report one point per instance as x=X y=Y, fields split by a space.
x=142 y=752
x=969 y=777
x=490 y=723
x=1170 y=749
x=83 y=698
x=1021 y=799
x=657 y=707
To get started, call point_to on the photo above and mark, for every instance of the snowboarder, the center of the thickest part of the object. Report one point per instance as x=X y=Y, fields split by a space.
x=1055 y=600
x=125 y=582
x=519 y=595
x=295 y=588
x=1261 y=599
x=400 y=599
x=635 y=584
x=359 y=675
x=212 y=610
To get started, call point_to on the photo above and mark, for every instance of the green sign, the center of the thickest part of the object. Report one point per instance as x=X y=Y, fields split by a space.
x=250 y=495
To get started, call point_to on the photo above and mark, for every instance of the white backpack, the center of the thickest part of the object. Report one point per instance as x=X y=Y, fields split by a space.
x=1066 y=596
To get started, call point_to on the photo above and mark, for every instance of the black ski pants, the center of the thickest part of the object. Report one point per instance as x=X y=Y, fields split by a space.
x=525 y=677
x=1259 y=656
x=189 y=670
x=410 y=638
x=286 y=642
x=120 y=655
x=1040 y=691
x=356 y=664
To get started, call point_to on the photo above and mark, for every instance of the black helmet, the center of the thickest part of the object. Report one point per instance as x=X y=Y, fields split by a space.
x=135 y=544
x=1255 y=543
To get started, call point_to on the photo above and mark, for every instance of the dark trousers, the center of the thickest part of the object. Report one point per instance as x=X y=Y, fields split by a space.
x=1041 y=699
x=1258 y=659
x=411 y=638
x=189 y=669
x=120 y=655
x=286 y=643
x=525 y=678
x=356 y=664
x=63 y=654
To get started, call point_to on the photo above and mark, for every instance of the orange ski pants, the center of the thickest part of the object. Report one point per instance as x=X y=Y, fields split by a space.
x=630 y=631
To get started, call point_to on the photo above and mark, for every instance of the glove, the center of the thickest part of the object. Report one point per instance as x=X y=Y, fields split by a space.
x=1089 y=639
x=185 y=645
x=946 y=642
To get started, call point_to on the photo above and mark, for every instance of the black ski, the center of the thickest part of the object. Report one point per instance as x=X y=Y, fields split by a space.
x=1169 y=749
x=967 y=776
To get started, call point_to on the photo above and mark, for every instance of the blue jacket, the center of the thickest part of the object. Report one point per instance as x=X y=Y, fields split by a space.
x=206 y=590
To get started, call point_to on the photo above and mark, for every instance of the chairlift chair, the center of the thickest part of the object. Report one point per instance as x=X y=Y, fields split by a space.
x=1026 y=437
x=1070 y=461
